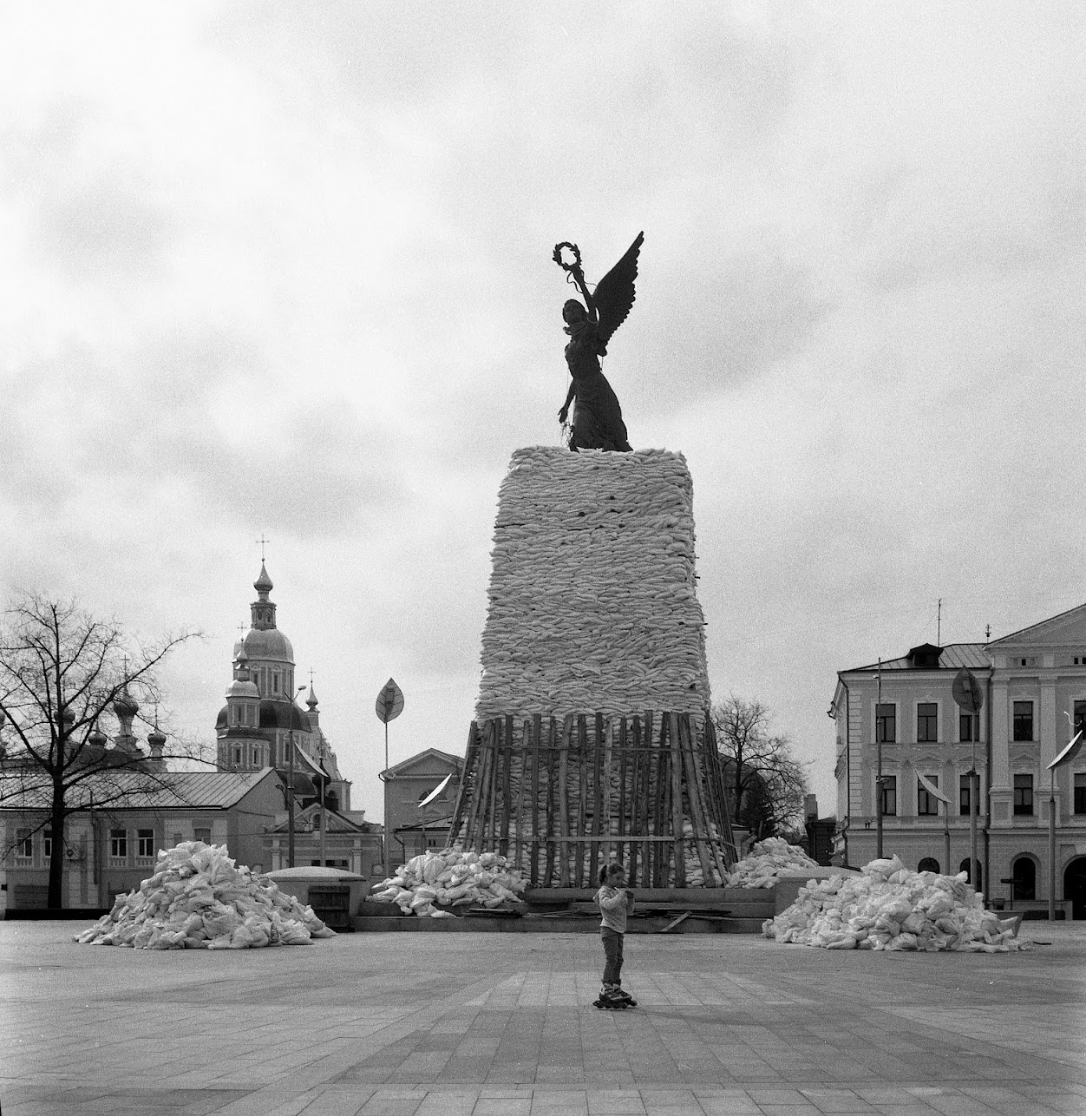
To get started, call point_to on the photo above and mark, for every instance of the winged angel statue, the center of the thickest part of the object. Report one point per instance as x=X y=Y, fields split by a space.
x=597 y=417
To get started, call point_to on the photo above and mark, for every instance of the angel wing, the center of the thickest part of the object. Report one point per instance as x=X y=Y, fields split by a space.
x=614 y=293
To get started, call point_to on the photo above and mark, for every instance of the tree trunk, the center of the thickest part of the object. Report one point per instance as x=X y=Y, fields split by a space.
x=55 y=901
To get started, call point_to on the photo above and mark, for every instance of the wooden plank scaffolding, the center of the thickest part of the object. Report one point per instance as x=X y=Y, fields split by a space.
x=559 y=799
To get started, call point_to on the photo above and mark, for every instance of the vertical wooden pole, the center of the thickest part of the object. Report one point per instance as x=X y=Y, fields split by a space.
x=703 y=772
x=520 y=761
x=464 y=797
x=677 y=799
x=537 y=732
x=507 y=785
x=596 y=799
x=582 y=794
x=623 y=804
x=693 y=796
x=550 y=826
x=563 y=802
x=492 y=798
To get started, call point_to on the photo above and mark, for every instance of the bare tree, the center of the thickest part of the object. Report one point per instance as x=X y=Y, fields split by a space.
x=766 y=782
x=62 y=670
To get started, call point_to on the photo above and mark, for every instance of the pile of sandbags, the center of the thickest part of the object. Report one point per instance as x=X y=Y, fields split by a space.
x=592 y=602
x=888 y=906
x=766 y=861
x=198 y=898
x=451 y=878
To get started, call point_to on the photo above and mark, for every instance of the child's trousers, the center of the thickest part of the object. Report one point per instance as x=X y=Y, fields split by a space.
x=612 y=953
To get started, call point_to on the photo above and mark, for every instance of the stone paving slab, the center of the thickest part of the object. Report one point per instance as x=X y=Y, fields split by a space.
x=501 y=1025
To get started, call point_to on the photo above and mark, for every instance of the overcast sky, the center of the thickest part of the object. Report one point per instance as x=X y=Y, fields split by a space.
x=284 y=269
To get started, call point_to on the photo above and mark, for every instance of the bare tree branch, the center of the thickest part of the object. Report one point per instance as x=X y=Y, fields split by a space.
x=62 y=671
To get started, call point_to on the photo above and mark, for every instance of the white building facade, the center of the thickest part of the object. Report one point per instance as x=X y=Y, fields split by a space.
x=901 y=714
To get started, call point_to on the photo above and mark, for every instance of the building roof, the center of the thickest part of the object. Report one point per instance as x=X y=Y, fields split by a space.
x=136 y=790
x=404 y=766
x=954 y=656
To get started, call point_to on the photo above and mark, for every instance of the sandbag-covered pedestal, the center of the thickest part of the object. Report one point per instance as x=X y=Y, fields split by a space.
x=591 y=739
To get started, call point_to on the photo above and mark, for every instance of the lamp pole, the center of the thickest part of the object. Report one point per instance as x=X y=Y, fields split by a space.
x=290 y=783
x=970 y=698
x=389 y=707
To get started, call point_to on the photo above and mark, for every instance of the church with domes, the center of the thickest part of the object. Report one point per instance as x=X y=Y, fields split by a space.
x=261 y=721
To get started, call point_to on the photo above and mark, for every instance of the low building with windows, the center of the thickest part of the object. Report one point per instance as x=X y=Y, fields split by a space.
x=413 y=828
x=120 y=822
x=899 y=718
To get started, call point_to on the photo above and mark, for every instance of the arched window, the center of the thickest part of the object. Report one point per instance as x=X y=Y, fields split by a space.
x=1024 y=874
x=928 y=864
x=974 y=878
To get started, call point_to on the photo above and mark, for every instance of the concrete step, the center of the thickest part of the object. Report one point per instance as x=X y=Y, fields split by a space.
x=549 y=924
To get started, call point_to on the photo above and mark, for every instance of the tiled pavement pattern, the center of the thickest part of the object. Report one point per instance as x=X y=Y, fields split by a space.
x=502 y=1025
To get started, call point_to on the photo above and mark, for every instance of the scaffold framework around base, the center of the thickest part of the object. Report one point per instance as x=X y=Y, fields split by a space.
x=562 y=798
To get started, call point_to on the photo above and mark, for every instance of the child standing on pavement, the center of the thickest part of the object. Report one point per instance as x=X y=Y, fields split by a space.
x=615 y=901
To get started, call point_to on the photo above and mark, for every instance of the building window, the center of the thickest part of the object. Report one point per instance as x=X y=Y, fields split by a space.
x=968 y=728
x=118 y=844
x=927 y=721
x=926 y=803
x=1080 y=792
x=24 y=844
x=885 y=724
x=1080 y=715
x=237 y=755
x=1023 y=720
x=889 y=796
x=199 y=834
x=145 y=843
x=975 y=878
x=928 y=864
x=1024 y=875
x=965 y=795
x=1023 y=794
x=275 y=683
x=47 y=844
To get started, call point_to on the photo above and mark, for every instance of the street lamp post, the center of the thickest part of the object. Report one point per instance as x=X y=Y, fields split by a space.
x=290 y=783
x=970 y=698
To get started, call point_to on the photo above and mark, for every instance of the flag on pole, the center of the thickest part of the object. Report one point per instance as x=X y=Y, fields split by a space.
x=1069 y=753
x=932 y=789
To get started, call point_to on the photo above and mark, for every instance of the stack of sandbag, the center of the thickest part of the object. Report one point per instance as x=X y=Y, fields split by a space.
x=198 y=898
x=592 y=601
x=453 y=879
x=766 y=861
x=888 y=906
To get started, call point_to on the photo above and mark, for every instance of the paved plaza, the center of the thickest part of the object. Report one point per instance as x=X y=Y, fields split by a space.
x=496 y=1024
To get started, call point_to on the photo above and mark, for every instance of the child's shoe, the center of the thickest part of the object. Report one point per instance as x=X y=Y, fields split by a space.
x=611 y=998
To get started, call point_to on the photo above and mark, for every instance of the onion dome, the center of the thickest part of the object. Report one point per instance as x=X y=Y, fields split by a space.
x=97 y=738
x=311 y=700
x=124 y=705
x=156 y=738
x=263 y=584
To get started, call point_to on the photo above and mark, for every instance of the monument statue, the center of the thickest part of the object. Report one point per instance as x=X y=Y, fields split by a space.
x=597 y=416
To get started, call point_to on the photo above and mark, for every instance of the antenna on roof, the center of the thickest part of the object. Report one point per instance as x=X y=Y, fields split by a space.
x=939 y=623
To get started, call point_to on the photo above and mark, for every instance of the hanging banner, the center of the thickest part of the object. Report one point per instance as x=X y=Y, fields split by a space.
x=1069 y=753
x=932 y=789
